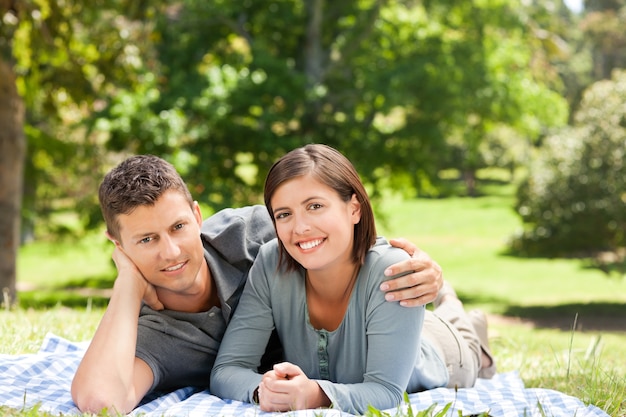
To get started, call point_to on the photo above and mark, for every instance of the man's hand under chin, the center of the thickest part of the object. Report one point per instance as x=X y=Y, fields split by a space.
x=126 y=269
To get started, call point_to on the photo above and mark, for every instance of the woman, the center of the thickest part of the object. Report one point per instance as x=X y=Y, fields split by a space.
x=317 y=284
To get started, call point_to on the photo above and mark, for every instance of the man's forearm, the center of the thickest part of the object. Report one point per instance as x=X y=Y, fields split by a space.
x=106 y=376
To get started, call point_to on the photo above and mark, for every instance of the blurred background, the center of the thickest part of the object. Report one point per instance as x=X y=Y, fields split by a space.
x=520 y=100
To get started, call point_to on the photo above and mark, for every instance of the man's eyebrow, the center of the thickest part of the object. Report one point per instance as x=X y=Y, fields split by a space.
x=180 y=220
x=141 y=235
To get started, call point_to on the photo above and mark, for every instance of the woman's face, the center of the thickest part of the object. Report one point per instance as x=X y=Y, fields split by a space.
x=314 y=224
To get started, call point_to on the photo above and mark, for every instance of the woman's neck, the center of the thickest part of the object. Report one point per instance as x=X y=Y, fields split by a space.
x=328 y=295
x=333 y=282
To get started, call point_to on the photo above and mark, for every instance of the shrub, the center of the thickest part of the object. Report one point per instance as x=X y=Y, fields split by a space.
x=574 y=198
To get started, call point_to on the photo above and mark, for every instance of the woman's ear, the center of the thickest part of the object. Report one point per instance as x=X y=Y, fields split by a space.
x=355 y=206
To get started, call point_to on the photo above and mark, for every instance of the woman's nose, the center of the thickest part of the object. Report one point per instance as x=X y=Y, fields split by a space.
x=301 y=226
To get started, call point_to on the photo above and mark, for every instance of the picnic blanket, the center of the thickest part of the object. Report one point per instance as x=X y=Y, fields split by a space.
x=43 y=380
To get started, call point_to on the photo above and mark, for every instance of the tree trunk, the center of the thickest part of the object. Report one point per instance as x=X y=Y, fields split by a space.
x=12 y=154
x=313 y=65
x=469 y=178
x=313 y=45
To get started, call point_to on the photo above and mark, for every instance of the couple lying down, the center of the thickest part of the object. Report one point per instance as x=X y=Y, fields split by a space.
x=312 y=328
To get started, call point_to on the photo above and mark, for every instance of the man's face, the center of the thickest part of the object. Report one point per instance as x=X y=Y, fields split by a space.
x=164 y=242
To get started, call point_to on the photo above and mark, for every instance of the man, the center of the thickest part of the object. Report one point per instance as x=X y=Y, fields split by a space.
x=179 y=281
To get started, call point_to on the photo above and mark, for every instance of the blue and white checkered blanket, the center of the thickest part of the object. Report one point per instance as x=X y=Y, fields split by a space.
x=44 y=380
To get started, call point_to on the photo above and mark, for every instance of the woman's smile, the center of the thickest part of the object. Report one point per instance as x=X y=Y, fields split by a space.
x=310 y=244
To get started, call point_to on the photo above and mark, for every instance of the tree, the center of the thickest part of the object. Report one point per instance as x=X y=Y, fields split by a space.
x=503 y=95
x=603 y=25
x=222 y=89
x=388 y=82
x=57 y=60
x=12 y=151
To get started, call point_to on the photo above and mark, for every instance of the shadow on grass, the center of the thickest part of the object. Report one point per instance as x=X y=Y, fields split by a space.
x=594 y=316
x=612 y=268
x=93 y=291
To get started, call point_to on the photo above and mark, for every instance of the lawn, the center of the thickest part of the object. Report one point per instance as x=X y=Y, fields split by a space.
x=560 y=323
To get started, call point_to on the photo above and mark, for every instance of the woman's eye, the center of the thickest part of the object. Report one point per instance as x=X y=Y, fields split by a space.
x=315 y=206
x=281 y=216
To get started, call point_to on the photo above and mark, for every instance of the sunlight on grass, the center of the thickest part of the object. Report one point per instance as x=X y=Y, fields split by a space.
x=586 y=365
x=65 y=261
x=23 y=331
x=468 y=238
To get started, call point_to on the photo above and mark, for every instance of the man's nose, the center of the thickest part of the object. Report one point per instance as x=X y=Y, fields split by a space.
x=169 y=248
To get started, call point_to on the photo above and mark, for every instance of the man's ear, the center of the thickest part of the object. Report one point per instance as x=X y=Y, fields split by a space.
x=112 y=239
x=197 y=213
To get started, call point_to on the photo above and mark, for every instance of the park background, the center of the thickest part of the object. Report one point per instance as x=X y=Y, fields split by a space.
x=490 y=132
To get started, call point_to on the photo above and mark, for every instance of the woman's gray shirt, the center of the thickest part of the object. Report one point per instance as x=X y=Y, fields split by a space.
x=372 y=358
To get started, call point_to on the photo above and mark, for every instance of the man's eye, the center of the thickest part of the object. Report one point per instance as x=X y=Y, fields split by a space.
x=147 y=239
x=179 y=226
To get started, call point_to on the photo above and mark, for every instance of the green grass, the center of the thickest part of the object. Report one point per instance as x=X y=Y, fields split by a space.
x=66 y=261
x=23 y=330
x=73 y=274
x=533 y=304
x=468 y=237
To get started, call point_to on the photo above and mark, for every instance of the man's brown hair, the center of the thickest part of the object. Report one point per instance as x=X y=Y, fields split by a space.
x=137 y=181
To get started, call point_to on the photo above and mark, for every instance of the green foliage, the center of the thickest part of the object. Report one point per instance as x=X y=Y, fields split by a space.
x=603 y=28
x=68 y=56
x=575 y=196
x=510 y=106
x=222 y=89
x=406 y=410
x=235 y=86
